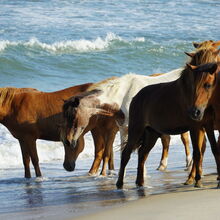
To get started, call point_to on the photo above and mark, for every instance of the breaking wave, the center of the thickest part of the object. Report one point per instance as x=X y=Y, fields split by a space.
x=110 y=41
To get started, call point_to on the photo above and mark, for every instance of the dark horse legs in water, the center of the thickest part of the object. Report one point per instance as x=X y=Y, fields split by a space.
x=148 y=141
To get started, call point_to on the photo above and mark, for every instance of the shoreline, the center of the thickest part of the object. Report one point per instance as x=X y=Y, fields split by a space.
x=175 y=201
x=198 y=204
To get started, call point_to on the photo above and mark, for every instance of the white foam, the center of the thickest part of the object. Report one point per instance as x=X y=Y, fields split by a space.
x=48 y=151
x=5 y=43
x=68 y=46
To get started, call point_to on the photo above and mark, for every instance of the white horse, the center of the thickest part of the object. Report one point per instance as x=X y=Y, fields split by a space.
x=112 y=97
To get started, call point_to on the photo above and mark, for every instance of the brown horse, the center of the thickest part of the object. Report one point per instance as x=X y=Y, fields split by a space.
x=30 y=115
x=185 y=101
x=208 y=53
x=206 y=45
x=165 y=140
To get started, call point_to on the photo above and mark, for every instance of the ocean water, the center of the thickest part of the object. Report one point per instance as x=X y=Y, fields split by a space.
x=54 y=44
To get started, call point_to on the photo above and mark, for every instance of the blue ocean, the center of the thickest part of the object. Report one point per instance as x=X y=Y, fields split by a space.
x=54 y=44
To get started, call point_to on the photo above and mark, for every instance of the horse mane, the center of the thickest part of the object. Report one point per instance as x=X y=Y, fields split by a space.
x=201 y=56
x=68 y=106
x=7 y=94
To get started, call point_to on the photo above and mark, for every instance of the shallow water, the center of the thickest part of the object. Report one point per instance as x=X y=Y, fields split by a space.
x=74 y=194
x=51 y=45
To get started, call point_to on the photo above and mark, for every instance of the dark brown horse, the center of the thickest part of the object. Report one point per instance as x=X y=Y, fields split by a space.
x=184 y=101
x=30 y=115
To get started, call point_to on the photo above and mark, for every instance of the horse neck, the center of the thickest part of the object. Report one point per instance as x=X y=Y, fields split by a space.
x=132 y=83
x=184 y=87
x=71 y=91
x=115 y=90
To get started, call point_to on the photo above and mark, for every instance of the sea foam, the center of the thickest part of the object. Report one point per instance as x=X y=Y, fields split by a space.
x=68 y=46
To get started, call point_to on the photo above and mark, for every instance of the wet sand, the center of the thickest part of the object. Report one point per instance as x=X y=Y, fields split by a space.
x=181 y=202
x=176 y=201
x=198 y=204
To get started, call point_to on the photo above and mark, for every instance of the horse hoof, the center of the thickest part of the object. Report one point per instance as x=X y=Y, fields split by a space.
x=189 y=182
x=161 y=168
x=112 y=173
x=218 y=186
x=92 y=174
x=119 y=185
x=103 y=174
x=198 y=184
x=139 y=185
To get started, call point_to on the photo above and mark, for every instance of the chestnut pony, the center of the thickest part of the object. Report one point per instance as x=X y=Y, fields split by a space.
x=30 y=114
x=185 y=101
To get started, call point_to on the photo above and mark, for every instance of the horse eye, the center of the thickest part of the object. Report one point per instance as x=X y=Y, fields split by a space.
x=207 y=86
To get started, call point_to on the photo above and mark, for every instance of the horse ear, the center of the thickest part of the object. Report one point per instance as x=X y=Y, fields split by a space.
x=216 y=44
x=208 y=68
x=196 y=45
x=190 y=54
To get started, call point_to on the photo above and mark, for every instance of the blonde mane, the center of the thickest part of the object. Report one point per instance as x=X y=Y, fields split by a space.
x=204 y=55
x=7 y=94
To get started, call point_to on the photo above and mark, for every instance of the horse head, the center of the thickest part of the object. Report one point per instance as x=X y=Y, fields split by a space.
x=77 y=112
x=205 y=80
x=204 y=76
x=206 y=44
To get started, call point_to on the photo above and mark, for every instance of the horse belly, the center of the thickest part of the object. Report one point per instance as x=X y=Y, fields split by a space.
x=175 y=131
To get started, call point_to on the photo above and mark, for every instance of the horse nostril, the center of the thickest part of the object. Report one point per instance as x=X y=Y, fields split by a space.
x=197 y=113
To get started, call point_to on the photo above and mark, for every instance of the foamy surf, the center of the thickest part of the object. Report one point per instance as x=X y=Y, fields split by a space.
x=69 y=46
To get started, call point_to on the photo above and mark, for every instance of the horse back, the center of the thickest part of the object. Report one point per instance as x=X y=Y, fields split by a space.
x=39 y=113
x=158 y=106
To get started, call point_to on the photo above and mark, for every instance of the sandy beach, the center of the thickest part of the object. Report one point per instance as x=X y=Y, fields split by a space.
x=191 y=204
x=198 y=204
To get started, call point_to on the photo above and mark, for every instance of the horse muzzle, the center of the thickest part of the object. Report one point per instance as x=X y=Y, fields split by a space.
x=196 y=113
x=69 y=166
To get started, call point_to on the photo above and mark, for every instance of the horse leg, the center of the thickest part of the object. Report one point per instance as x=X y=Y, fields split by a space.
x=125 y=156
x=34 y=156
x=165 y=139
x=26 y=159
x=192 y=174
x=30 y=145
x=185 y=140
x=197 y=137
x=149 y=140
x=108 y=151
x=134 y=138
x=99 y=150
x=111 y=161
x=215 y=149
